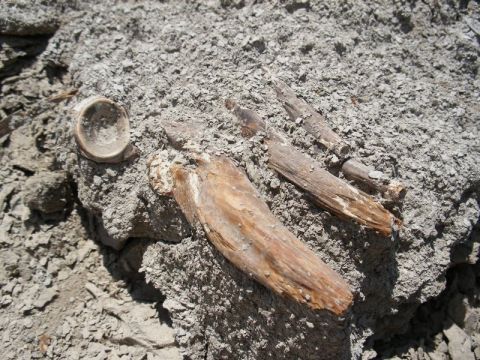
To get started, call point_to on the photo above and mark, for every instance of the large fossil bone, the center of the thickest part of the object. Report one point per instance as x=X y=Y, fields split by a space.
x=316 y=125
x=102 y=130
x=218 y=196
x=327 y=191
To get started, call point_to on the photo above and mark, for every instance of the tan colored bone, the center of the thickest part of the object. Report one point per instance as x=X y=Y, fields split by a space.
x=219 y=197
x=64 y=95
x=313 y=122
x=107 y=142
x=327 y=191
x=183 y=135
x=5 y=127
x=316 y=125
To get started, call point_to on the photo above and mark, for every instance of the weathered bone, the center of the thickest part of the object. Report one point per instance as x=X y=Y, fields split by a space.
x=360 y=173
x=102 y=130
x=327 y=191
x=64 y=95
x=316 y=125
x=313 y=122
x=183 y=135
x=219 y=197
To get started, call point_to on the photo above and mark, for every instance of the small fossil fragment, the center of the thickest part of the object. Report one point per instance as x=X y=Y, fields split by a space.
x=356 y=171
x=183 y=135
x=313 y=122
x=219 y=197
x=326 y=190
x=316 y=125
x=43 y=343
x=102 y=130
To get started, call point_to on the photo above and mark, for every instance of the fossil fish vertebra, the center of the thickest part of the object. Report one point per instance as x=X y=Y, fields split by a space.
x=102 y=130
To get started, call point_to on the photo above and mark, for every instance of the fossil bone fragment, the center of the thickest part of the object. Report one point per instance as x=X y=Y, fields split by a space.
x=356 y=171
x=102 y=130
x=218 y=196
x=64 y=95
x=316 y=125
x=183 y=135
x=313 y=122
x=327 y=191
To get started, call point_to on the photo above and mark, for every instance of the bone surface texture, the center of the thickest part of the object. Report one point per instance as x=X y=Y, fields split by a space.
x=102 y=130
x=219 y=197
x=326 y=190
x=316 y=125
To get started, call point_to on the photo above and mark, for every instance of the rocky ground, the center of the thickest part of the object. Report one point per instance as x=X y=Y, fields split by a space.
x=398 y=80
x=63 y=295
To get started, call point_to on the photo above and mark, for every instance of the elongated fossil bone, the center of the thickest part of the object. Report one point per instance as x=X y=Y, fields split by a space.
x=313 y=122
x=316 y=125
x=102 y=130
x=327 y=191
x=218 y=196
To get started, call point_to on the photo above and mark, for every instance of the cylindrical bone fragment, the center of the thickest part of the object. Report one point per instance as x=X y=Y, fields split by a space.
x=316 y=125
x=102 y=130
x=313 y=122
x=356 y=171
x=327 y=191
x=219 y=196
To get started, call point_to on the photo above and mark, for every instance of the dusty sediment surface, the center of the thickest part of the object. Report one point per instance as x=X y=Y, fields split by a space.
x=398 y=81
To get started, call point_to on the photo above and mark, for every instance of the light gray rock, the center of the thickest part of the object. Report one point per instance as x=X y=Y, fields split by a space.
x=45 y=297
x=459 y=343
x=442 y=347
x=437 y=356
x=477 y=353
x=472 y=321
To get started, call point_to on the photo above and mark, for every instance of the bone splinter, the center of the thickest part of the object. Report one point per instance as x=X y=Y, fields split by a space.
x=327 y=191
x=316 y=125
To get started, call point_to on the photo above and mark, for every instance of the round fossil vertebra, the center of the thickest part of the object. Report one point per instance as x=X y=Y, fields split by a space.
x=102 y=130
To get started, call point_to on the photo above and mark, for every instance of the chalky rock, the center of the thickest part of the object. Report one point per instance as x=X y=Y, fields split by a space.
x=102 y=130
